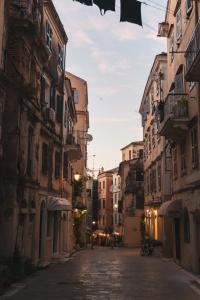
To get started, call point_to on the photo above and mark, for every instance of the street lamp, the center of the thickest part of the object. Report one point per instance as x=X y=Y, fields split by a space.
x=77 y=176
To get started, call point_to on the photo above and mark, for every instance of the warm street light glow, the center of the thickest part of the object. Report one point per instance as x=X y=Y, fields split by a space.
x=115 y=206
x=93 y=222
x=77 y=176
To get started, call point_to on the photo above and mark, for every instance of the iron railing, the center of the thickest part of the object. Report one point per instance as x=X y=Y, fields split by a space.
x=193 y=47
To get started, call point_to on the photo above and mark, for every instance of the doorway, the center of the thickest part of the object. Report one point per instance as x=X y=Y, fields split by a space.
x=42 y=230
x=55 y=232
x=177 y=238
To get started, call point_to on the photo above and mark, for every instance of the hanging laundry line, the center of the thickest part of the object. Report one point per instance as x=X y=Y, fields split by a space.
x=130 y=9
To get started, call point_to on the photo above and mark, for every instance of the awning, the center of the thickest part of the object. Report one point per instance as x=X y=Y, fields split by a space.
x=58 y=204
x=171 y=207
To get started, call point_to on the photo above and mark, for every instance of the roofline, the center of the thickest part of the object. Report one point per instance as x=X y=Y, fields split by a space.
x=57 y=18
x=162 y=54
x=73 y=75
x=133 y=143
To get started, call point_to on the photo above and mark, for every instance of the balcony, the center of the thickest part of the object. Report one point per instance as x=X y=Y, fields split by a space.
x=73 y=148
x=192 y=56
x=174 y=117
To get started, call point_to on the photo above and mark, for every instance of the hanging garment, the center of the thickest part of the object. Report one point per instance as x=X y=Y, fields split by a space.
x=131 y=11
x=86 y=2
x=105 y=5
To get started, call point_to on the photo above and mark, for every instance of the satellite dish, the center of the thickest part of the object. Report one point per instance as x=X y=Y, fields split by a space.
x=89 y=137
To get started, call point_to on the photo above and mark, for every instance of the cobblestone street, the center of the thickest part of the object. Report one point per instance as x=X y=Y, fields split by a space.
x=104 y=274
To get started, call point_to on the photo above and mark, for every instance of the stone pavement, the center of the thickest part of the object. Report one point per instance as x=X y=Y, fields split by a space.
x=109 y=274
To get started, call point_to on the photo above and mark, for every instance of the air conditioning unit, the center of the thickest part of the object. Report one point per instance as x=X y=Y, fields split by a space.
x=50 y=114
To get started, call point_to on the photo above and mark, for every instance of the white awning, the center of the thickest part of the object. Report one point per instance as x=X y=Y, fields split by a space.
x=170 y=207
x=58 y=204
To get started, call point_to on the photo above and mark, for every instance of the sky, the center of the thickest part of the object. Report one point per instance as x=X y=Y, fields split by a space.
x=115 y=59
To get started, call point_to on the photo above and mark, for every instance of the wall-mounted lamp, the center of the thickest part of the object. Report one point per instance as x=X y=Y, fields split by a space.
x=77 y=176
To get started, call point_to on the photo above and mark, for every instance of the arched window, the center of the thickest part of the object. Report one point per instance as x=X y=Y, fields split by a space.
x=186 y=226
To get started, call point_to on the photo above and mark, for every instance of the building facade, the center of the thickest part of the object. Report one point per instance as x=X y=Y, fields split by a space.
x=105 y=201
x=157 y=154
x=132 y=193
x=117 y=213
x=179 y=124
x=80 y=133
x=39 y=116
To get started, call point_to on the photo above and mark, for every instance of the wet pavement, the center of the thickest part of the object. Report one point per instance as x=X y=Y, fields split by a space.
x=109 y=274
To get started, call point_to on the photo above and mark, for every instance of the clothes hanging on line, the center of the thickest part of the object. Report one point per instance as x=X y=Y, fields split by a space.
x=131 y=12
x=86 y=2
x=105 y=5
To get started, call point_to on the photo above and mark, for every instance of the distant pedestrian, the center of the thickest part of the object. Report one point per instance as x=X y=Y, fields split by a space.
x=112 y=241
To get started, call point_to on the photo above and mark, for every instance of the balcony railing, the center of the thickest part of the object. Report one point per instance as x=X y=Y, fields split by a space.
x=176 y=106
x=192 y=56
x=174 y=116
x=73 y=147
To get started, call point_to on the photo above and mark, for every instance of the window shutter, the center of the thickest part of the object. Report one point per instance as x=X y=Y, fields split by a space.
x=52 y=97
x=59 y=110
x=179 y=83
x=57 y=164
x=76 y=96
x=178 y=26
x=42 y=89
x=66 y=165
x=45 y=158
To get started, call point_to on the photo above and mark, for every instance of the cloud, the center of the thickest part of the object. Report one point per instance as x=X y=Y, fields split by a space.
x=80 y=37
x=109 y=61
x=111 y=120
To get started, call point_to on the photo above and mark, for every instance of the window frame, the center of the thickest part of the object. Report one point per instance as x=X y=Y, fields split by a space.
x=45 y=159
x=194 y=147
x=178 y=26
x=49 y=34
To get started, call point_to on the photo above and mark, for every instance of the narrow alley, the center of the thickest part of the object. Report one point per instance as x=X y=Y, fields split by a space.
x=112 y=274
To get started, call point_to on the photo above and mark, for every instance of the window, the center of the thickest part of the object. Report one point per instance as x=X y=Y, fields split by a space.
x=59 y=109
x=191 y=84
x=188 y=6
x=49 y=223
x=103 y=223
x=30 y=152
x=178 y=26
x=60 y=56
x=171 y=46
x=186 y=226
x=66 y=165
x=104 y=203
x=52 y=97
x=103 y=184
x=175 y=168
x=153 y=180
x=149 y=143
x=129 y=153
x=159 y=175
x=141 y=153
x=194 y=145
x=139 y=176
x=75 y=96
x=153 y=137
x=115 y=219
x=49 y=35
x=45 y=158
x=42 y=89
x=183 y=158
x=57 y=164
x=179 y=86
